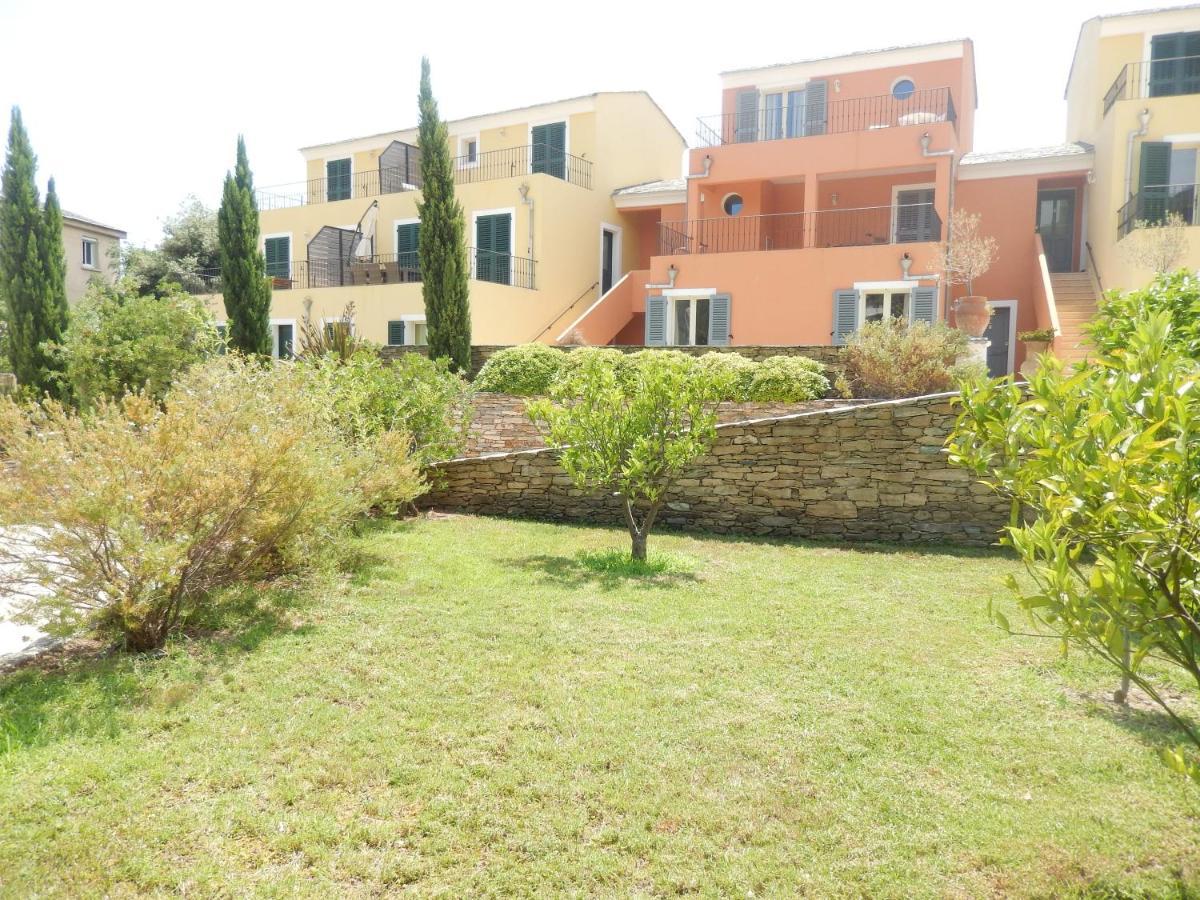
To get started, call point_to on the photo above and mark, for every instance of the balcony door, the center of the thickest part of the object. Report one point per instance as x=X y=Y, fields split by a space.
x=912 y=215
x=1175 y=64
x=1056 y=225
x=493 y=247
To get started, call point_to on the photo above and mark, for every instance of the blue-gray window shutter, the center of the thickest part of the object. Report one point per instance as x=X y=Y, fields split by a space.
x=656 y=321
x=924 y=304
x=845 y=315
x=815 y=107
x=747 y=116
x=395 y=333
x=718 y=320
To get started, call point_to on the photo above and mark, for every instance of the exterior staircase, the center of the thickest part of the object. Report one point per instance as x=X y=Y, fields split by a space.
x=1075 y=296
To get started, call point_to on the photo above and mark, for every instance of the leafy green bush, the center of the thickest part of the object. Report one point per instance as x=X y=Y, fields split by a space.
x=788 y=379
x=526 y=370
x=1176 y=294
x=129 y=519
x=413 y=394
x=120 y=340
x=894 y=359
x=574 y=360
x=733 y=370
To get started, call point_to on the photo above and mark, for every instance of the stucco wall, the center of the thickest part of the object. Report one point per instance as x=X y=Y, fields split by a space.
x=106 y=259
x=877 y=472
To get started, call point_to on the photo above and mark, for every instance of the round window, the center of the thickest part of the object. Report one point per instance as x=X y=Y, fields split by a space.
x=903 y=89
x=733 y=204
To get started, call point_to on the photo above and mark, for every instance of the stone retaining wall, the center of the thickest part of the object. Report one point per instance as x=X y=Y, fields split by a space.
x=483 y=352
x=500 y=425
x=875 y=472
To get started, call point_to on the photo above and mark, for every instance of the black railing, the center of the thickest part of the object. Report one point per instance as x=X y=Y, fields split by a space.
x=862 y=227
x=1147 y=78
x=384 y=268
x=923 y=107
x=1153 y=205
x=495 y=164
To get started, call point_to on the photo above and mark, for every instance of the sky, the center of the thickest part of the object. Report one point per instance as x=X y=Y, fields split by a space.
x=141 y=103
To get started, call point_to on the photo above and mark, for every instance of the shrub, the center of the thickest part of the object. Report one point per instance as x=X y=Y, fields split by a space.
x=1177 y=295
x=788 y=379
x=526 y=371
x=894 y=359
x=733 y=370
x=336 y=339
x=414 y=395
x=574 y=360
x=631 y=439
x=128 y=520
x=120 y=340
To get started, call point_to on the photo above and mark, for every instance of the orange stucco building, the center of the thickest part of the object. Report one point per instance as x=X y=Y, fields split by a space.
x=818 y=196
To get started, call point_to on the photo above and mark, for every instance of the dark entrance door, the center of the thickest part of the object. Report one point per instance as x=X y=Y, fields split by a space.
x=998 y=332
x=607 y=260
x=1056 y=225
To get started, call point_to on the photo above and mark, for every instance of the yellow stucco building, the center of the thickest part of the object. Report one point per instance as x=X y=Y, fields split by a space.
x=536 y=186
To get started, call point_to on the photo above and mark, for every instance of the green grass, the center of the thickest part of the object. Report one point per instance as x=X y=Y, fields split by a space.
x=499 y=708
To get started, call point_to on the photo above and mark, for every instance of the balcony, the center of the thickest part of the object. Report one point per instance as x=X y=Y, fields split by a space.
x=384 y=268
x=863 y=227
x=836 y=117
x=1174 y=77
x=491 y=166
x=1152 y=205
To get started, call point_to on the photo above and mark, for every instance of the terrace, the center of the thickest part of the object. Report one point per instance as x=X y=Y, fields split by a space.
x=1148 y=78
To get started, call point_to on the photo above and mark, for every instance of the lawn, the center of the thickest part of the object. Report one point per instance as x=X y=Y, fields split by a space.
x=497 y=708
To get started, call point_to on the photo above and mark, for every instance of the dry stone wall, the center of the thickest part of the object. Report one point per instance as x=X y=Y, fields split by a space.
x=875 y=472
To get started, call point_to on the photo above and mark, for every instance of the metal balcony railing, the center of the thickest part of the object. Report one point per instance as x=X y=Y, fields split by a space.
x=861 y=227
x=1153 y=204
x=511 y=162
x=923 y=107
x=383 y=268
x=1154 y=78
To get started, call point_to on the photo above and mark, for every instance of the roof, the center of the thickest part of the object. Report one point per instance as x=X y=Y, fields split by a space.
x=649 y=194
x=84 y=220
x=801 y=62
x=653 y=187
x=1028 y=153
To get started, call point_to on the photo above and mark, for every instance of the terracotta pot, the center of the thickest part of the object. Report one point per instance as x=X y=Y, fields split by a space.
x=972 y=314
x=1033 y=349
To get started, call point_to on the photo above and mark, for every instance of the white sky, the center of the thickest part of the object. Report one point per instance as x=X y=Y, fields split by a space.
x=132 y=105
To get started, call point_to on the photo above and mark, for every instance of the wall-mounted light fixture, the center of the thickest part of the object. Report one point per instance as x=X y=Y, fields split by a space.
x=837 y=85
x=833 y=198
x=1091 y=176
x=671 y=273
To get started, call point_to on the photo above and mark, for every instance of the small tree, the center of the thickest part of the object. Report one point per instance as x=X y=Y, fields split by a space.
x=965 y=254
x=245 y=286
x=1158 y=246
x=441 y=248
x=1105 y=464
x=633 y=439
x=189 y=254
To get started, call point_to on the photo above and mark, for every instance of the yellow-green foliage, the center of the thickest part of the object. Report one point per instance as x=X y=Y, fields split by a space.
x=129 y=518
x=787 y=379
x=526 y=371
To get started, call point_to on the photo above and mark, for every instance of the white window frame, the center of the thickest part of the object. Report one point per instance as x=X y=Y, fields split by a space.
x=725 y=200
x=1012 y=330
x=410 y=333
x=291 y=243
x=691 y=297
x=84 y=241
x=566 y=120
x=784 y=106
x=463 y=140
x=886 y=288
x=896 y=189
x=338 y=159
x=275 y=323
x=618 y=267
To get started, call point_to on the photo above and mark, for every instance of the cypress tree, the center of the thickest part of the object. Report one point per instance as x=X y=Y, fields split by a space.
x=442 y=251
x=32 y=268
x=247 y=292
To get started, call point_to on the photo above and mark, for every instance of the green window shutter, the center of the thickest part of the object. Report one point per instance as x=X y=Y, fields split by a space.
x=845 y=315
x=1154 y=176
x=395 y=333
x=656 y=321
x=815 y=108
x=278 y=252
x=718 y=320
x=549 y=150
x=493 y=248
x=924 y=304
x=408 y=242
x=337 y=179
x=746 y=117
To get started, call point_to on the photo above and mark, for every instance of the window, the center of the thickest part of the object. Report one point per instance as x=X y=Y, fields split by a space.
x=409 y=332
x=733 y=204
x=913 y=215
x=408 y=242
x=689 y=322
x=278 y=252
x=1175 y=64
x=337 y=179
x=903 y=89
x=283 y=340
x=877 y=304
x=395 y=334
x=493 y=247
x=784 y=114
x=89 y=253
x=420 y=335
x=468 y=149
x=549 y=149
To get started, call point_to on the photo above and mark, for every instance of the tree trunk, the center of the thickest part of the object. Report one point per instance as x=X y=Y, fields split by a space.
x=639 y=545
x=1121 y=695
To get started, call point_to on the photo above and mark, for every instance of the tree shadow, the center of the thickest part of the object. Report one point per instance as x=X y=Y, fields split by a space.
x=1142 y=717
x=609 y=570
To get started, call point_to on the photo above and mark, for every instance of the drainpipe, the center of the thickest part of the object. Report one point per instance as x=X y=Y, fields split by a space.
x=707 y=168
x=524 y=191
x=1144 y=120
x=926 y=152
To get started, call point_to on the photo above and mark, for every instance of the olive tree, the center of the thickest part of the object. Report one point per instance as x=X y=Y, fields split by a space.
x=634 y=436
x=1103 y=468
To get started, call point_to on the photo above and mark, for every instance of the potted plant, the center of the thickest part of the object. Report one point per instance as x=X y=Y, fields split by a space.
x=1036 y=343
x=964 y=256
